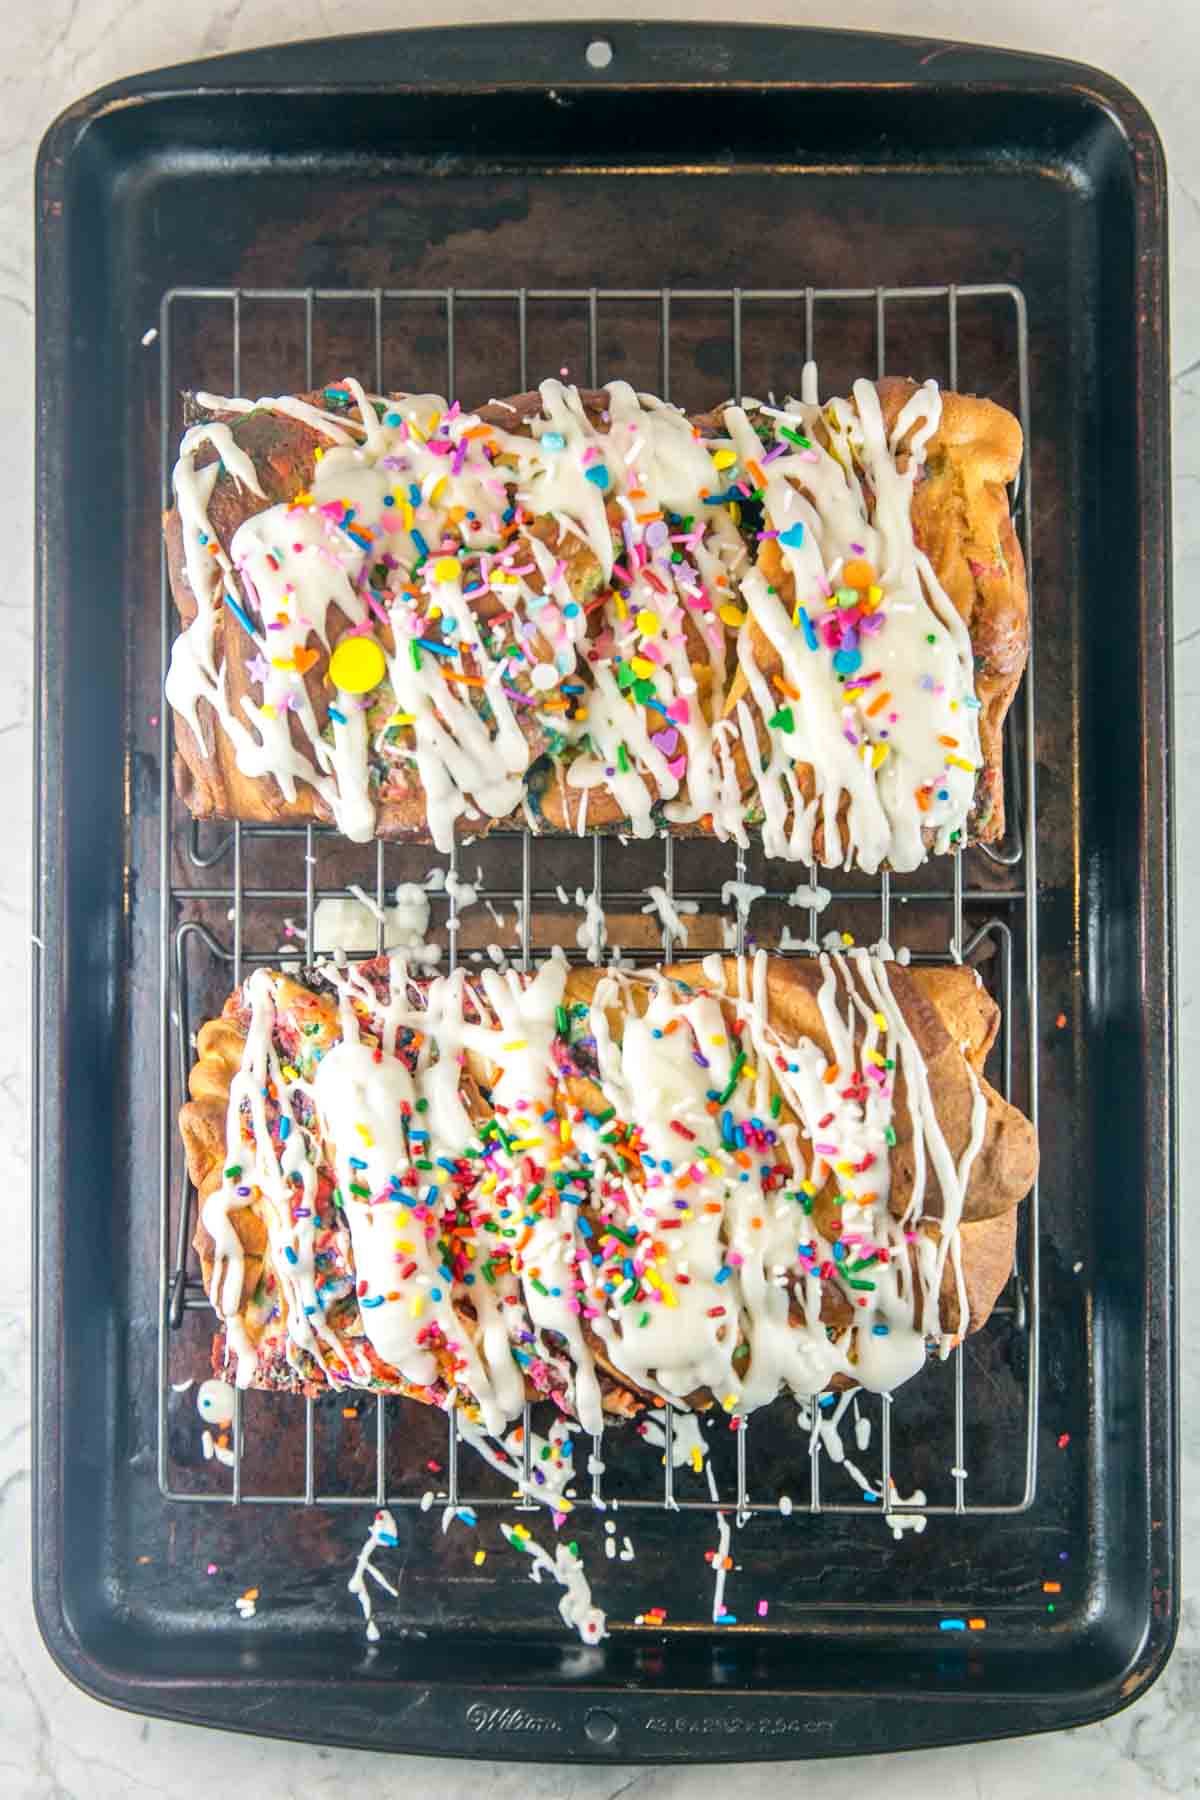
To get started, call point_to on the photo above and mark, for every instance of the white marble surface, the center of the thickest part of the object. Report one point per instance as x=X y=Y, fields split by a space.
x=53 y=1740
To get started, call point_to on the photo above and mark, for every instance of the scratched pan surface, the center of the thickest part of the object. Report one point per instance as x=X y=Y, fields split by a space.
x=706 y=160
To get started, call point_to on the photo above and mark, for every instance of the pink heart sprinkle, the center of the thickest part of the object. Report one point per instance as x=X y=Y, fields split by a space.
x=677 y=767
x=679 y=711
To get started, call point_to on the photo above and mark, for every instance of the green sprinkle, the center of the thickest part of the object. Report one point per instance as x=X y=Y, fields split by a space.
x=889 y=1134
x=533 y=1193
x=422 y=1105
x=541 y=1290
x=604 y=1117
x=776 y=1105
x=413 y=653
x=645 y=1320
x=783 y=720
x=232 y=1173
x=488 y=1273
x=793 y=437
x=629 y=1294
x=852 y=1281
x=622 y=759
x=739 y=1063
x=562 y=1021
x=357 y=1188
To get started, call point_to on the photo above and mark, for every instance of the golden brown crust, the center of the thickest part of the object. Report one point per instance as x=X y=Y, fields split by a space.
x=952 y=1020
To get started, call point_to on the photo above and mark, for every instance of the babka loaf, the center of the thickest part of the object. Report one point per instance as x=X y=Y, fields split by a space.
x=587 y=610
x=705 y=1183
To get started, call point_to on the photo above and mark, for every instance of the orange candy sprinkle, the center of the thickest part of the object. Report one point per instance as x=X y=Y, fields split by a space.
x=858 y=573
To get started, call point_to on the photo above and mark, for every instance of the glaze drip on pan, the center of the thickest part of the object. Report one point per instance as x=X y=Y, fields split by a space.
x=580 y=611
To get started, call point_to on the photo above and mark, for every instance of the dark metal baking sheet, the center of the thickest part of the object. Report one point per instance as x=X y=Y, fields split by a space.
x=700 y=157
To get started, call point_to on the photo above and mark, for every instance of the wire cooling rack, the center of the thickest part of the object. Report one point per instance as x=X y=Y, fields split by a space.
x=978 y=905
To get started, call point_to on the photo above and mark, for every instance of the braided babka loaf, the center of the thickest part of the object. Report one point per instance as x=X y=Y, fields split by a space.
x=589 y=610
x=710 y=1182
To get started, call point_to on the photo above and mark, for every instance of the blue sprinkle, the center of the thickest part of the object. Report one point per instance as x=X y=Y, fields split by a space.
x=285 y=1126
x=847 y=662
x=869 y=1494
x=419 y=541
x=722 y=1274
x=393 y=418
x=435 y=1293
x=793 y=537
x=239 y=615
x=468 y=1515
x=810 y=636
x=839 y=1252
x=335 y=714
x=290 y=1255
x=438 y=649
x=571 y=609
x=356 y=1162
x=374 y=1300
x=972 y=703
x=508 y=515
x=553 y=440
x=414 y=494
x=599 y=475
x=309 y=1311
x=952 y=1624
x=880 y=1330
x=389 y=1538
x=443 y=1162
x=431 y=1196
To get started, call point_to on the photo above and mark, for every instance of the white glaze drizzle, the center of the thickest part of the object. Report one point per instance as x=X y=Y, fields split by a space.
x=382 y=1531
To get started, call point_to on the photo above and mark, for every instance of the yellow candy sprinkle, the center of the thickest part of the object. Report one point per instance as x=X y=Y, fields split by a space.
x=723 y=459
x=732 y=616
x=880 y=1022
x=879 y=756
x=735 y=512
x=643 y=668
x=518 y=1044
x=874 y=594
x=847 y=939
x=357 y=665
x=267 y=710
x=408 y=514
x=364 y=1134
x=697 y=1458
x=417 y=1307
x=960 y=762
x=647 y=622
x=447 y=568
x=480 y=1558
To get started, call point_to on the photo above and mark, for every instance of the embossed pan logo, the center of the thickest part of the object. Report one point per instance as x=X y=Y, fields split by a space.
x=508 y=1718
